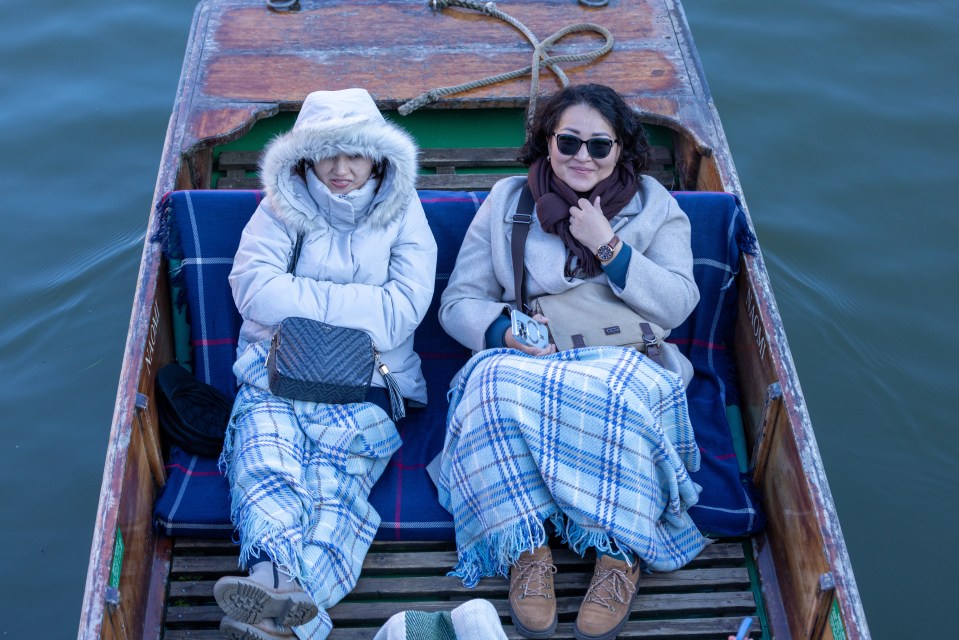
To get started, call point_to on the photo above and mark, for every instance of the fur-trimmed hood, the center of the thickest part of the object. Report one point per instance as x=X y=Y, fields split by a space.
x=331 y=123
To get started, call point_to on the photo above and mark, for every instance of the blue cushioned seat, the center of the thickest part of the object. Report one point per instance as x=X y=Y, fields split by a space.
x=200 y=231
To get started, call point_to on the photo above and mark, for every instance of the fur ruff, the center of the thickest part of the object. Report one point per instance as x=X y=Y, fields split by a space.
x=384 y=143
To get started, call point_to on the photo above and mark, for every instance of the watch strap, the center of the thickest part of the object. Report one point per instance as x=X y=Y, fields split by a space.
x=608 y=249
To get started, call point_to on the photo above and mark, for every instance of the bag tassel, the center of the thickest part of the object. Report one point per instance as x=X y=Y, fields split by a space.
x=396 y=398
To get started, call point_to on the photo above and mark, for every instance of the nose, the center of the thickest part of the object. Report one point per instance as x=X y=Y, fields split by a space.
x=582 y=154
x=341 y=164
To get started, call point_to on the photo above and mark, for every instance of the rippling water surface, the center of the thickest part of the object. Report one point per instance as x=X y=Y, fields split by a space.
x=842 y=119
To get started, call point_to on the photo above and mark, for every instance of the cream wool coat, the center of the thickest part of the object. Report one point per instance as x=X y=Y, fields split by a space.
x=366 y=267
x=659 y=281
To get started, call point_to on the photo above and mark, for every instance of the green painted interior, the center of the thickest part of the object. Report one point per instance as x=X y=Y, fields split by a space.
x=449 y=128
x=756 y=587
x=431 y=128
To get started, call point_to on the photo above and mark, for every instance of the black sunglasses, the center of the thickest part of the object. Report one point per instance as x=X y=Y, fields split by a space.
x=569 y=145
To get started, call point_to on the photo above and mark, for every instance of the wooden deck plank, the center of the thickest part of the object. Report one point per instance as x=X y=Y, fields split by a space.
x=436 y=157
x=687 y=629
x=722 y=578
x=674 y=605
x=420 y=50
x=436 y=562
x=705 y=599
x=455 y=168
x=378 y=612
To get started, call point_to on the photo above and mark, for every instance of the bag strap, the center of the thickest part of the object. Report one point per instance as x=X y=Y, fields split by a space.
x=297 y=248
x=522 y=219
x=653 y=350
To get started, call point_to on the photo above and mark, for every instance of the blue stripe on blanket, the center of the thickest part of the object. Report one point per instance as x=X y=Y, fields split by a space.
x=596 y=440
x=300 y=474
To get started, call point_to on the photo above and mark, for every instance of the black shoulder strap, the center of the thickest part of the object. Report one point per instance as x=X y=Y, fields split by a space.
x=296 y=253
x=521 y=220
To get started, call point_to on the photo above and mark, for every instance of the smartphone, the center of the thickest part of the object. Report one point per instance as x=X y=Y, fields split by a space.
x=528 y=331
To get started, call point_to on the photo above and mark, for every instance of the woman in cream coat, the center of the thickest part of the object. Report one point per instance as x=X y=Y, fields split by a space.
x=592 y=444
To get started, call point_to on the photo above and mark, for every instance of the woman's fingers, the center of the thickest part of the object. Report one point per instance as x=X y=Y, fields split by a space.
x=588 y=224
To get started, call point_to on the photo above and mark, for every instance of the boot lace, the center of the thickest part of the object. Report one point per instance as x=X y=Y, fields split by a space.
x=531 y=578
x=610 y=587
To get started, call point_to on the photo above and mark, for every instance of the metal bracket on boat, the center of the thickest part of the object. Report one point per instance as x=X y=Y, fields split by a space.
x=764 y=437
x=281 y=5
x=150 y=438
x=112 y=597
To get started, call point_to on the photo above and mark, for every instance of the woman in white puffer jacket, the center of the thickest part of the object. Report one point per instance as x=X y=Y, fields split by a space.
x=300 y=472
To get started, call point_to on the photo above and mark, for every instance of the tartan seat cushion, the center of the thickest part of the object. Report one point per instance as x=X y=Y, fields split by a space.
x=200 y=231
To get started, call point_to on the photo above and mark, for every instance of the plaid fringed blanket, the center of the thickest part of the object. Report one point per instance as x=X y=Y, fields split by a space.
x=596 y=440
x=300 y=474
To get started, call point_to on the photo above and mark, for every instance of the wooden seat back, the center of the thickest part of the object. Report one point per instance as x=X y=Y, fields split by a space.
x=443 y=169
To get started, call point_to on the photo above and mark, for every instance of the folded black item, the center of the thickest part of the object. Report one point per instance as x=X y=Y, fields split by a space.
x=193 y=415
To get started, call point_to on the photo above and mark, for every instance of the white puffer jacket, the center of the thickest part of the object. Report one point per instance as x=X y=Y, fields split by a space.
x=372 y=268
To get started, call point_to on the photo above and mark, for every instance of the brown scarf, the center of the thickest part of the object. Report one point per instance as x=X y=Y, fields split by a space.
x=554 y=198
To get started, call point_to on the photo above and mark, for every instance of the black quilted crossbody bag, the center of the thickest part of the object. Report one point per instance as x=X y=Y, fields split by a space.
x=317 y=362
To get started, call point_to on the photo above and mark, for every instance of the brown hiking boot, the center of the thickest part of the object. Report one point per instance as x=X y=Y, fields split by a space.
x=266 y=593
x=532 y=601
x=605 y=609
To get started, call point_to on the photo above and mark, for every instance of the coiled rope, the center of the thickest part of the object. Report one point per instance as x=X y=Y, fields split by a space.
x=540 y=56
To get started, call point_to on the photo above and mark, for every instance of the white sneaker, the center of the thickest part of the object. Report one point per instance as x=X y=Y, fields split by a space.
x=264 y=594
x=265 y=629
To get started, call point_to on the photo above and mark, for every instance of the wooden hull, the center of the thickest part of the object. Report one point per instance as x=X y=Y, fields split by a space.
x=245 y=63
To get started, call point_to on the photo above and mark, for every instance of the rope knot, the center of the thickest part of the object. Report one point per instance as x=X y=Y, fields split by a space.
x=540 y=56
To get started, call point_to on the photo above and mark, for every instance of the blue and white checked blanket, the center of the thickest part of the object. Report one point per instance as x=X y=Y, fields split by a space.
x=596 y=440
x=300 y=474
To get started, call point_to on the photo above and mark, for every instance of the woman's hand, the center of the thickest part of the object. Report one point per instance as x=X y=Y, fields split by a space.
x=510 y=341
x=588 y=224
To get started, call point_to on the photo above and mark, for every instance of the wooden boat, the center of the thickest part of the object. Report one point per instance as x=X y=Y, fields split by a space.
x=246 y=71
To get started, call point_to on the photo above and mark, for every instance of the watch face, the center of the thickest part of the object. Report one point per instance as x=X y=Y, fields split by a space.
x=605 y=252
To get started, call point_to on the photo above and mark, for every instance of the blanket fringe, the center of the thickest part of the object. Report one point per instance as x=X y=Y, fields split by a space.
x=257 y=534
x=168 y=238
x=496 y=553
x=580 y=539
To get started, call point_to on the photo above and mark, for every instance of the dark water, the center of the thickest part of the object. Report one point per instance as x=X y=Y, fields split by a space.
x=842 y=118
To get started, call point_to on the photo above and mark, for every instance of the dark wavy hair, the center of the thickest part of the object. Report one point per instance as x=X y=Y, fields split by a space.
x=634 y=149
